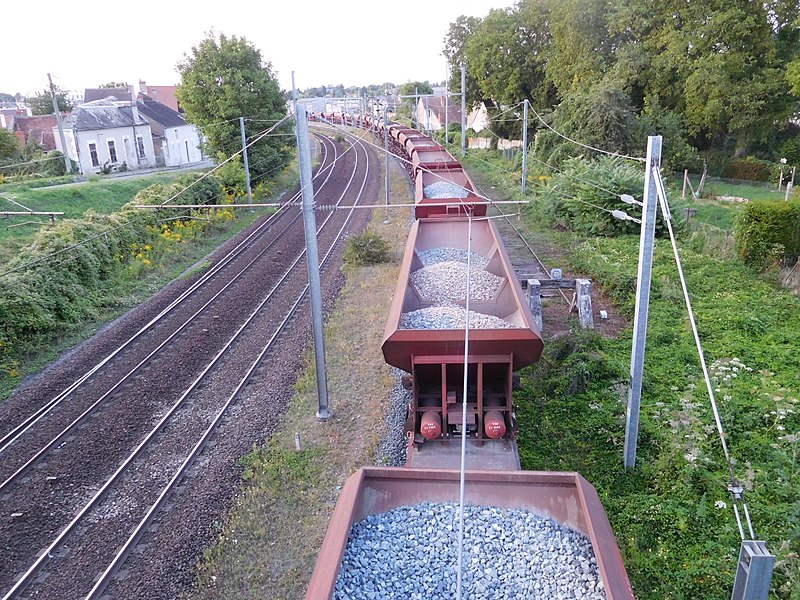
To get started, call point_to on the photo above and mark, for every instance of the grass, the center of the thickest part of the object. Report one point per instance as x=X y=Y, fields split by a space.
x=103 y=196
x=717 y=187
x=268 y=546
x=672 y=514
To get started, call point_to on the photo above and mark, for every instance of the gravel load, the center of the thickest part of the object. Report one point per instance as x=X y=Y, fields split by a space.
x=437 y=255
x=411 y=552
x=450 y=317
x=448 y=281
x=444 y=189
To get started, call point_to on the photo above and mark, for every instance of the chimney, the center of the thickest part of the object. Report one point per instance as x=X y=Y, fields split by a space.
x=134 y=109
x=143 y=87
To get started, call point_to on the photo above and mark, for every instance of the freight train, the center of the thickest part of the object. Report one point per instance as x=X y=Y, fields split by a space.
x=458 y=305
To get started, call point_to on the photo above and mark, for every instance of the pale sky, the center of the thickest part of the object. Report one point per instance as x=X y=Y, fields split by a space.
x=352 y=42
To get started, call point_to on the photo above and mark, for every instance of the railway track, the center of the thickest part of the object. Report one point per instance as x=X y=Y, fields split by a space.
x=125 y=432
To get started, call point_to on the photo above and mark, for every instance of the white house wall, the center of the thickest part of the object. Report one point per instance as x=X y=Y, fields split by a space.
x=182 y=146
x=126 y=152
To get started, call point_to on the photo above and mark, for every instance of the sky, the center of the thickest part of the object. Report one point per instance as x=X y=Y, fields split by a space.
x=352 y=42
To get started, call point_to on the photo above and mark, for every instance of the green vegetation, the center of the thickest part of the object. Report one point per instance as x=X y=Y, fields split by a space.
x=717 y=79
x=672 y=514
x=366 y=249
x=86 y=269
x=103 y=196
x=223 y=79
x=768 y=232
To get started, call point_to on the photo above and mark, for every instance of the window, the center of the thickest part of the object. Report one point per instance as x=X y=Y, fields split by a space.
x=140 y=147
x=93 y=154
x=112 y=151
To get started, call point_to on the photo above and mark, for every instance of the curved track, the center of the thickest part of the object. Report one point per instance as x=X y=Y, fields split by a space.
x=85 y=468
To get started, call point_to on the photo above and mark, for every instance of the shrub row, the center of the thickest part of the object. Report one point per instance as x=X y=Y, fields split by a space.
x=768 y=231
x=64 y=276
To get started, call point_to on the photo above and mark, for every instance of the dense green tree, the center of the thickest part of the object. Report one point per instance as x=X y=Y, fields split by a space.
x=6 y=97
x=114 y=85
x=224 y=78
x=9 y=146
x=42 y=104
x=507 y=54
x=600 y=117
x=455 y=42
x=581 y=49
x=719 y=74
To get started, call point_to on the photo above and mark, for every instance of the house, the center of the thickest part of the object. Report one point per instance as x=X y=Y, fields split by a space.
x=434 y=111
x=9 y=111
x=161 y=93
x=175 y=141
x=39 y=128
x=108 y=133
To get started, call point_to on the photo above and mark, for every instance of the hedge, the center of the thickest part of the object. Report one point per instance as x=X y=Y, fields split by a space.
x=768 y=231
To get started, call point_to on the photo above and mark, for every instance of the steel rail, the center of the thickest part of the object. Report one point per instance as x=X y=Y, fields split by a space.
x=16 y=432
x=27 y=577
x=35 y=458
x=122 y=553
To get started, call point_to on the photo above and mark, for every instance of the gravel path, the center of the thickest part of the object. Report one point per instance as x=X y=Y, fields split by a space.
x=411 y=552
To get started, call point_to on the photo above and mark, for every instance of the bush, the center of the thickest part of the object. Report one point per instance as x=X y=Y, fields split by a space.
x=748 y=168
x=366 y=249
x=582 y=195
x=768 y=231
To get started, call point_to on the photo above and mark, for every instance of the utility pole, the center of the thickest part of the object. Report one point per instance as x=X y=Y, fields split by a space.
x=386 y=155
x=447 y=107
x=312 y=256
x=646 y=243
x=525 y=146
x=463 y=110
x=67 y=161
x=246 y=164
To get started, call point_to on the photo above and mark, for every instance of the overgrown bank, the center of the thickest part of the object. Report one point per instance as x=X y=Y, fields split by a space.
x=82 y=272
x=672 y=514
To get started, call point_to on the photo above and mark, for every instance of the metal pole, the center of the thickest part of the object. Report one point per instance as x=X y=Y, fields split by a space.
x=312 y=257
x=67 y=161
x=386 y=155
x=246 y=163
x=463 y=110
x=447 y=105
x=525 y=146
x=646 y=243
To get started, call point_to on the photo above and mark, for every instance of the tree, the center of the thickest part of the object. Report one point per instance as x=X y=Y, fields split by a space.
x=114 y=85
x=507 y=55
x=600 y=117
x=9 y=146
x=6 y=97
x=42 y=103
x=223 y=79
x=581 y=49
x=455 y=43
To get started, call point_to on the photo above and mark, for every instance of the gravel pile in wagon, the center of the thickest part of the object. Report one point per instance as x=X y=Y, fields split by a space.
x=411 y=552
x=444 y=189
x=450 y=317
x=448 y=281
x=437 y=255
x=442 y=281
